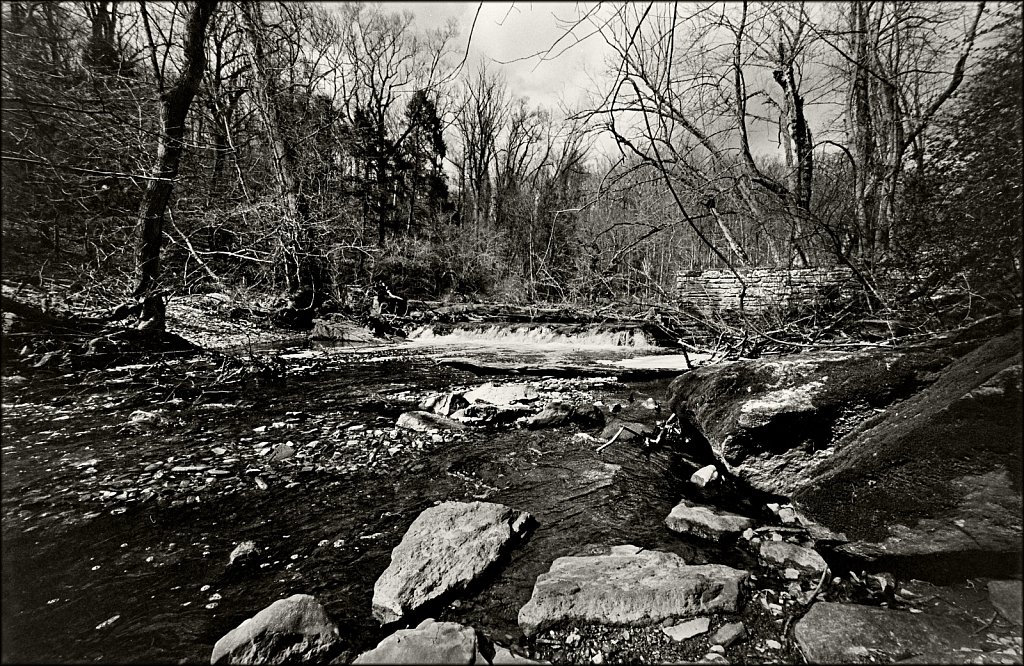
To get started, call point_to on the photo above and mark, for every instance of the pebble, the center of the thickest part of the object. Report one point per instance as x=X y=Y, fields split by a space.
x=704 y=476
x=190 y=468
x=773 y=644
x=282 y=452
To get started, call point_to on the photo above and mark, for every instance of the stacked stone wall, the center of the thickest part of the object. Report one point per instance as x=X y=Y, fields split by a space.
x=713 y=290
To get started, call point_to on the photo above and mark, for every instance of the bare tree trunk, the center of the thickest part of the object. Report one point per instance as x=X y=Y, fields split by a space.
x=174 y=107
x=302 y=270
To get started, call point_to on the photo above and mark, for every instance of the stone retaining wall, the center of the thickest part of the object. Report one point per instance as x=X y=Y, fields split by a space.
x=765 y=287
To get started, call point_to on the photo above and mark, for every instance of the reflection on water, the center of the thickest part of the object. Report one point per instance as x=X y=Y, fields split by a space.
x=159 y=568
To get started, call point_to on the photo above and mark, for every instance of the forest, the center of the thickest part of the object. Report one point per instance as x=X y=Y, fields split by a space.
x=294 y=149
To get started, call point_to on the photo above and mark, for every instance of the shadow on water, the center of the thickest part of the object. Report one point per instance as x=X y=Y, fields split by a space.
x=159 y=568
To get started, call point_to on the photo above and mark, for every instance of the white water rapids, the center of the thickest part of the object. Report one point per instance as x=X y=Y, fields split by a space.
x=531 y=335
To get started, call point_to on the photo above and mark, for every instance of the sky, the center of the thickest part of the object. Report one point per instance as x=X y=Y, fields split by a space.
x=509 y=35
x=510 y=32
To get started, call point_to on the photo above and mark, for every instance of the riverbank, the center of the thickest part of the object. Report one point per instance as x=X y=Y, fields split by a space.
x=127 y=488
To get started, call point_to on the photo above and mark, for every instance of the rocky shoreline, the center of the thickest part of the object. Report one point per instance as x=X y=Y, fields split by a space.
x=842 y=576
x=876 y=493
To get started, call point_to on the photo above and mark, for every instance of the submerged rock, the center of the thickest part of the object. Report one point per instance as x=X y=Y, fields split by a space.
x=295 y=629
x=629 y=587
x=833 y=633
x=243 y=554
x=424 y=421
x=705 y=521
x=445 y=549
x=431 y=642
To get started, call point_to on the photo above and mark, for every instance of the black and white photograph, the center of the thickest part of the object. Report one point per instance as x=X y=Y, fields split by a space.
x=511 y=332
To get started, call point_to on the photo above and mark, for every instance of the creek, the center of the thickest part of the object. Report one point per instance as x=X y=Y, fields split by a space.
x=116 y=534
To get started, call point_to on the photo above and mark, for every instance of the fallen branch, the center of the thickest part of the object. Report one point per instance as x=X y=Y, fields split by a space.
x=610 y=441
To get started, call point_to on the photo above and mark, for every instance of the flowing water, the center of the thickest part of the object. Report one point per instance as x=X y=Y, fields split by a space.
x=98 y=569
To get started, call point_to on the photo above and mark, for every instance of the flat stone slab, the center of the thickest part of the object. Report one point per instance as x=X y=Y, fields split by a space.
x=705 y=521
x=630 y=587
x=1006 y=596
x=688 y=629
x=833 y=633
x=293 y=629
x=502 y=395
x=430 y=642
x=446 y=548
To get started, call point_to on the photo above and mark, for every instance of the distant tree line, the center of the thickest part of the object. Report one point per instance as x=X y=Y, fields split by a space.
x=159 y=148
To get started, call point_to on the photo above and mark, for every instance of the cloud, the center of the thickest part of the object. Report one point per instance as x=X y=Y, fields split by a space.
x=514 y=33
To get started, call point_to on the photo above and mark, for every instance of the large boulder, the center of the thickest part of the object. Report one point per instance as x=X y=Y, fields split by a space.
x=630 y=587
x=705 y=521
x=937 y=477
x=833 y=633
x=292 y=630
x=430 y=642
x=769 y=419
x=446 y=548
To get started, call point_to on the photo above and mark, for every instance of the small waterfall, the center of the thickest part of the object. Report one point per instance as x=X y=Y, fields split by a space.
x=571 y=335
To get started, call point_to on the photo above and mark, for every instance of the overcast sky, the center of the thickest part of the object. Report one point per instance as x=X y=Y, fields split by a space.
x=514 y=32
x=509 y=31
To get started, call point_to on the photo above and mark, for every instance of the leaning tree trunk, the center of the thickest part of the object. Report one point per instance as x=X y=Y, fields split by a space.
x=175 y=103
x=306 y=273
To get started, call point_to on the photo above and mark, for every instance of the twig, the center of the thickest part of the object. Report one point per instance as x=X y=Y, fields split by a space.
x=817 y=589
x=988 y=624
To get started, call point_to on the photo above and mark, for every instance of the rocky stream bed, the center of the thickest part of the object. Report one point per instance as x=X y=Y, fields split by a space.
x=416 y=503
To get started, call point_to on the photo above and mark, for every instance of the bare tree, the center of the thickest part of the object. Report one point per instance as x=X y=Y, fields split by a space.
x=175 y=102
